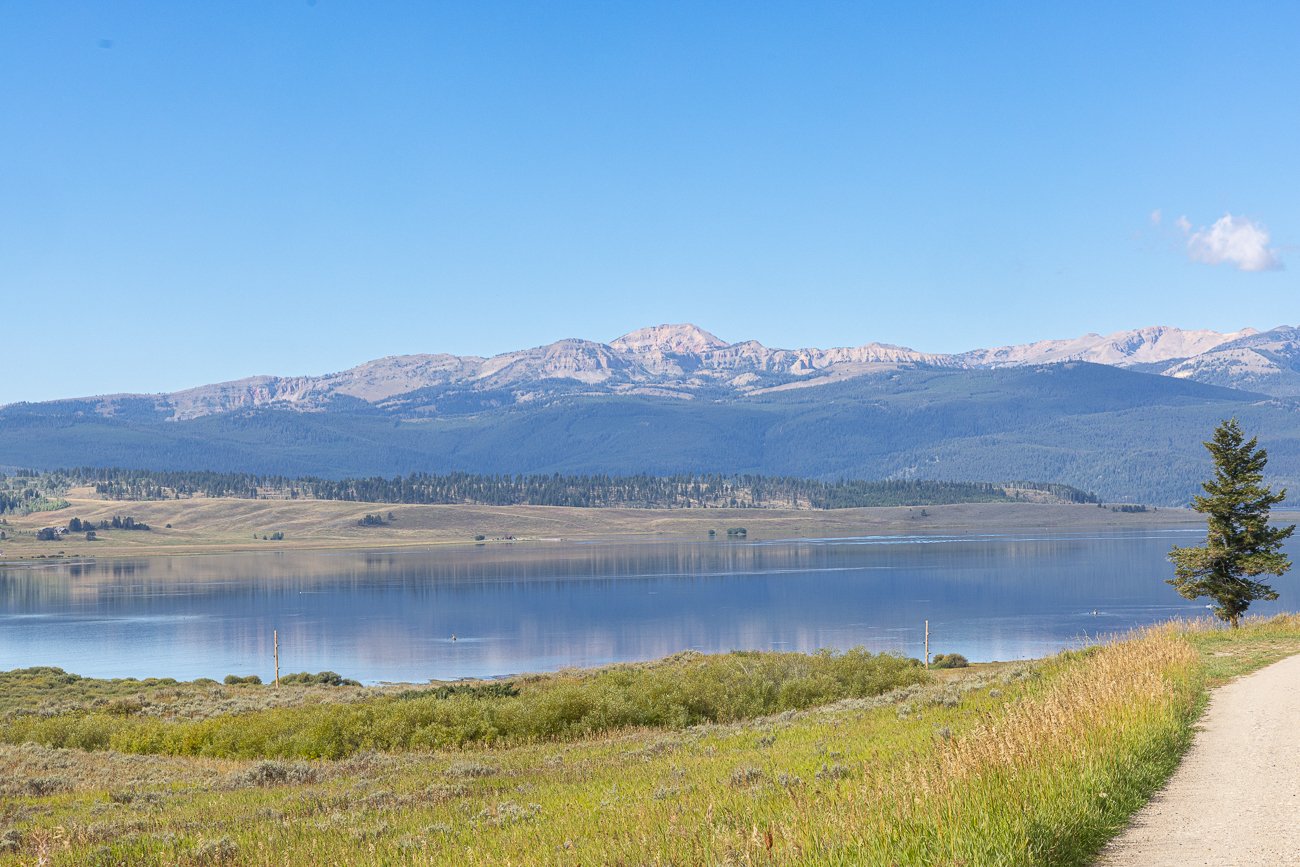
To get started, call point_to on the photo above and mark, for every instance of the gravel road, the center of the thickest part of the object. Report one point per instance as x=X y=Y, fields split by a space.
x=1235 y=800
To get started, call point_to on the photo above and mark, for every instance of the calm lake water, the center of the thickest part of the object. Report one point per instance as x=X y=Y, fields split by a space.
x=543 y=606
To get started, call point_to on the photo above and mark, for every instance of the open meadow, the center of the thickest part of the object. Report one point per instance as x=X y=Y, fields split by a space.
x=743 y=758
x=227 y=524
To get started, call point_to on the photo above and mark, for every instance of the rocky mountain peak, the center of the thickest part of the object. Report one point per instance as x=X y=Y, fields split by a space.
x=678 y=361
x=684 y=339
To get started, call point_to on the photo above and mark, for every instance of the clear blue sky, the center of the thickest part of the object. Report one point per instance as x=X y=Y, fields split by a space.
x=195 y=192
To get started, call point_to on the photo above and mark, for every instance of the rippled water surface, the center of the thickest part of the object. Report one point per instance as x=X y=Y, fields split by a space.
x=543 y=606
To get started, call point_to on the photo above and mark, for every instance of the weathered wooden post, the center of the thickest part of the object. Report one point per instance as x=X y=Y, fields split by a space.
x=927 y=647
x=276 y=637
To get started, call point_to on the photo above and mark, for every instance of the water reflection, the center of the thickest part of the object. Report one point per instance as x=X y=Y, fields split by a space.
x=391 y=616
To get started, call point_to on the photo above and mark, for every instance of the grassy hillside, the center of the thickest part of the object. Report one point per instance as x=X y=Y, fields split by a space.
x=1119 y=433
x=228 y=524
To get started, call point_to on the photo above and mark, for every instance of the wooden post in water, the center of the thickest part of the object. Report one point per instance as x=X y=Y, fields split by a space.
x=276 y=634
x=927 y=648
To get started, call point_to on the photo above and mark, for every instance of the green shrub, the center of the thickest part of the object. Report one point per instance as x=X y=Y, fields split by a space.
x=323 y=678
x=46 y=685
x=950 y=660
x=236 y=680
x=680 y=691
x=498 y=689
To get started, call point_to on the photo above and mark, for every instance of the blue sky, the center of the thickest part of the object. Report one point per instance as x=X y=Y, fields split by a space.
x=199 y=192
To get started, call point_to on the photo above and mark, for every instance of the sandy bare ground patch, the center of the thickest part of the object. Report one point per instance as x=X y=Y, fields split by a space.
x=1235 y=799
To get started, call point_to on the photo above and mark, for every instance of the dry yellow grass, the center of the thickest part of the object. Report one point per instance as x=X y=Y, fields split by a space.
x=223 y=525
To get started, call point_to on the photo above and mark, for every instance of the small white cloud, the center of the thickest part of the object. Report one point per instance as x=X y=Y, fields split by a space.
x=1236 y=240
x=1155 y=217
x=1184 y=224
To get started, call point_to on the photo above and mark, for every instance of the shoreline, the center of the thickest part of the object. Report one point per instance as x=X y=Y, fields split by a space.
x=236 y=526
x=1051 y=737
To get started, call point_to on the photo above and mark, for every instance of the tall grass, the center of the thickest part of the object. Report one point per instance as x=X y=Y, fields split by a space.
x=1253 y=627
x=1047 y=783
x=682 y=691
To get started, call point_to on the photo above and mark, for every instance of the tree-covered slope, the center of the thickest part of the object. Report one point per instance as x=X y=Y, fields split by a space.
x=1120 y=433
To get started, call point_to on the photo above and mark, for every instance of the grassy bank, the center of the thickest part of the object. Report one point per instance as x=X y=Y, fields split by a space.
x=227 y=524
x=1035 y=763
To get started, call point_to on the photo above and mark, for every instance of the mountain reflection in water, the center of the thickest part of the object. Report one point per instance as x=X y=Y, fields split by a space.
x=544 y=606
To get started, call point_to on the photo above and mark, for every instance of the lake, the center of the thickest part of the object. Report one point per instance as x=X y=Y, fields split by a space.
x=541 y=606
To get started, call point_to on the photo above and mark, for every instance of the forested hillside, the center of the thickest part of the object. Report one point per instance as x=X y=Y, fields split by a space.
x=28 y=491
x=1122 y=434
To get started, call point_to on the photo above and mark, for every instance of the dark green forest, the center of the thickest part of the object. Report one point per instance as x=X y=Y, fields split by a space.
x=1122 y=434
x=641 y=491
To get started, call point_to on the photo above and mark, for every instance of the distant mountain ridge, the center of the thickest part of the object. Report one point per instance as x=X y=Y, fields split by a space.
x=1120 y=432
x=1121 y=349
x=685 y=361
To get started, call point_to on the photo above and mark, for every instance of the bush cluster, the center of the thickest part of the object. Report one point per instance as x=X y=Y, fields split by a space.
x=322 y=678
x=76 y=525
x=948 y=660
x=674 y=693
x=31 y=687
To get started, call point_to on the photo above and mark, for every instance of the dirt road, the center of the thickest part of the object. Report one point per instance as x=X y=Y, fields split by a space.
x=1235 y=800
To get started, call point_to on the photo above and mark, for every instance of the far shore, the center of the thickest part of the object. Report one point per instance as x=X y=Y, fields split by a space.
x=230 y=525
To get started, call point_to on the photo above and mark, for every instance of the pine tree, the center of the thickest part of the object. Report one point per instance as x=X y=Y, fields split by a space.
x=1239 y=543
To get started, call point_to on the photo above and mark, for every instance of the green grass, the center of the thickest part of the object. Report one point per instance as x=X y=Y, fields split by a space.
x=1258 y=643
x=1032 y=764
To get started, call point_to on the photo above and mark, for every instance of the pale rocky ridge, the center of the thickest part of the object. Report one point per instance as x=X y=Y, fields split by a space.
x=1122 y=349
x=1267 y=362
x=685 y=362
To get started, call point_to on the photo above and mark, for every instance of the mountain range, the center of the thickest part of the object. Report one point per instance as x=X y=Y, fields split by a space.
x=685 y=362
x=1121 y=415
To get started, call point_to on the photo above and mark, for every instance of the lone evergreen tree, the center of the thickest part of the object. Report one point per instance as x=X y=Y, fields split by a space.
x=1239 y=543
